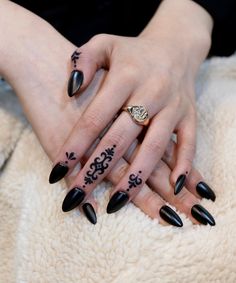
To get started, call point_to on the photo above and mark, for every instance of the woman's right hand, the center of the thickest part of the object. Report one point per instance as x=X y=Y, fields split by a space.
x=37 y=69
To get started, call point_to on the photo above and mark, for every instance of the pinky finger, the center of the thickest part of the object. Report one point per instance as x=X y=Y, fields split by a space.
x=186 y=145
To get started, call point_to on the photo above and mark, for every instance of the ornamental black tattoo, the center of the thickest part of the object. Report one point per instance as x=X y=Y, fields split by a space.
x=99 y=165
x=75 y=57
x=134 y=181
x=70 y=156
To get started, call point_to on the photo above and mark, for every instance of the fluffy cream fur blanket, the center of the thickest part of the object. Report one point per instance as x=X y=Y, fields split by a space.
x=39 y=243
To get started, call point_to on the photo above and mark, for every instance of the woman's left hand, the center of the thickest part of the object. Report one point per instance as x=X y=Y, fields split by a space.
x=156 y=70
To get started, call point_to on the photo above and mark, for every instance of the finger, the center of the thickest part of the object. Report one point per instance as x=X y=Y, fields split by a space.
x=185 y=201
x=91 y=123
x=148 y=201
x=110 y=149
x=186 y=145
x=150 y=151
x=195 y=182
x=86 y=60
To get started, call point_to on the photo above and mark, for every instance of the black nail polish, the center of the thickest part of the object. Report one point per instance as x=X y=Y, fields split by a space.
x=75 y=82
x=179 y=184
x=58 y=172
x=202 y=215
x=73 y=199
x=89 y=212
x=205 y=191
x=170 y=216
x=118 y=200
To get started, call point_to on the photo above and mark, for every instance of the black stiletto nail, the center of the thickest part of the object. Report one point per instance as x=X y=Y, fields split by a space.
x=205 y=191
x=179 y=184
x=170 y=216
x=58 y=172
x=89 y=212
x=118 y=200
x=202 y=215
x=73 y=199
x=75 y=82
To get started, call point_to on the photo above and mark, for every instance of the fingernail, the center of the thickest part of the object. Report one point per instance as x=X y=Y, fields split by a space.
x=89 y=212
x=58 y=172
x=75 y=82
x=179 y=184
x=202 y=215
x=118 y=200
x=170 y=216
x=205 y=191
x=73 y=199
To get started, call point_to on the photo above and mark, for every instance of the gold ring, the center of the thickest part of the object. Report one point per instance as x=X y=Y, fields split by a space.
x=139 y=114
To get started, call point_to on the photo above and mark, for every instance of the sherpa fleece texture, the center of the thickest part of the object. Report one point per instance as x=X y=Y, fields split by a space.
x=41 y=244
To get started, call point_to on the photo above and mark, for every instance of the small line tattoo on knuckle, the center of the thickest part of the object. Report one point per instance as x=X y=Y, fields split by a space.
x=69 y=156
x=75 y=57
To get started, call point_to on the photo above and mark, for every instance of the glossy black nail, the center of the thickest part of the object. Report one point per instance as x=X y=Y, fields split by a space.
x=170 y=216
x=89 y=212
x=205 y=191
x=58 y=172
x=75 y=82
x=179 y=184
x=117 y=201
x=202 y=215
x=73 y=199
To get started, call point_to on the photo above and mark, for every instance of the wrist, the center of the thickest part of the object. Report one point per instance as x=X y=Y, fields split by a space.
x=30 y=48
x=185 y=25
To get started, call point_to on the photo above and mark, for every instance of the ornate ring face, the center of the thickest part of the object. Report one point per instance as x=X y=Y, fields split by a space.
x=139 y=114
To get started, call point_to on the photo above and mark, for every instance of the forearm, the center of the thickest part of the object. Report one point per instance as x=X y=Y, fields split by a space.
x=187 y=25
x=28 y=45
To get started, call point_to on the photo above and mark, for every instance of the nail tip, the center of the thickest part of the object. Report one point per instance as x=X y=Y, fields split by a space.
x=75 y=82
x=202 y=215
x=170 y=216
x=179 y=184
x=205 y=191
x=89 y=212
x=117 y=201
x=73 y=199
x=58 y=172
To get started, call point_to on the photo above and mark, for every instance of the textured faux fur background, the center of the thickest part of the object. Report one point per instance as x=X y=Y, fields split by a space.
x=39 y=243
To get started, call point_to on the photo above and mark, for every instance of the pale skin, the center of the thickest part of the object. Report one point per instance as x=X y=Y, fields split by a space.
x=36 y=65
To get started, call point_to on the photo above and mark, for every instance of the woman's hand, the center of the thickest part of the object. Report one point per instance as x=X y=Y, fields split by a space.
x=157 y=70
x=38 y=76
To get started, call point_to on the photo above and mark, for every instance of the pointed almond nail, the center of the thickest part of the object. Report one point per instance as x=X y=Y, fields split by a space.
x=58 y=172
x=73 y=199
x=179 y=184
x=170 y=216
x=117 y=201
x=89 y=212
x=205 y=191
x=75 y=82
x=202 y=215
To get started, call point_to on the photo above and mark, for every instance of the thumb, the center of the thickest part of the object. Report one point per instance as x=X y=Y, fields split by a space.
x=87 y=59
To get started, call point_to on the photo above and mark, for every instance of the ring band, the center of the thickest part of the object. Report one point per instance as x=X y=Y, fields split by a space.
x=139 y=114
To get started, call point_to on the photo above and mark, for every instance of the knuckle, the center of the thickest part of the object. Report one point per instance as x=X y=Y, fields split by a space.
x=116 y=138
x=154 y=146
x=93 y=121
x=129 y=74
x=99 y=38
x=121 y=170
